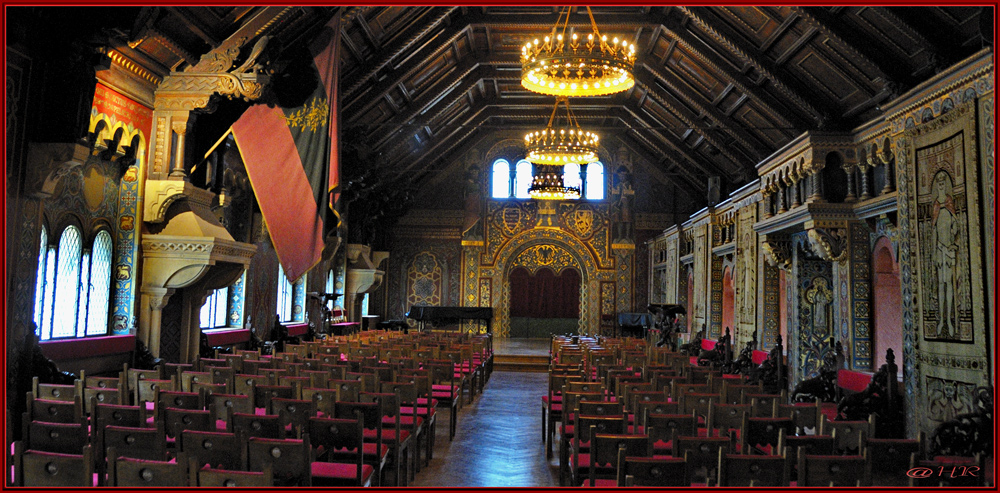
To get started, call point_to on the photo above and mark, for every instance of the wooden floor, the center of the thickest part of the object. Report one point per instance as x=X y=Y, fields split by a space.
x=498 y=440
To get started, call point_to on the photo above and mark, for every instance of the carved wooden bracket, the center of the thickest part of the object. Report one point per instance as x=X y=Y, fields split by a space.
x=830 y=244
x=777 y=251
x=49 y=163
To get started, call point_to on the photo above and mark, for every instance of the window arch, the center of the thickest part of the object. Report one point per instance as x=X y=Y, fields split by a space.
x=67 y=282
x=522 y=179
x=501 y=179
x=595 y=181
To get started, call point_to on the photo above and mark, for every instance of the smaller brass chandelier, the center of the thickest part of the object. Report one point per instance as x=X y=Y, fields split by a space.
x=547 y=184
x=565 y=65
x=561 y=145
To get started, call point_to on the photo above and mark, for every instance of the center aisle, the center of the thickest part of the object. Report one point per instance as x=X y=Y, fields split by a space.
x=498 y=440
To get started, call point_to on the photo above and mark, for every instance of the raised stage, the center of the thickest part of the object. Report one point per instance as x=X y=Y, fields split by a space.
x=520 y=354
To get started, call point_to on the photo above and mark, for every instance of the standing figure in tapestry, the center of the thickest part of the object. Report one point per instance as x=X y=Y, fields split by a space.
x=820 y=297
x=945 y=252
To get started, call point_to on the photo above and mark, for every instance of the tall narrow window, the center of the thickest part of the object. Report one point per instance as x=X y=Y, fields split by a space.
x=284 y=296
x=100 y=285
x=501 y=181
x=43 y=248
x=522 y=180
x=595 y=181
x=330 y=289
x=571 y=176
x=213 y=312
x=81 y=312
x=67 y=283
x=49 y=295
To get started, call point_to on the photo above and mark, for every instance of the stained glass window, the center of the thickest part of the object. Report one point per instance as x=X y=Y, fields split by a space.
x=43 y=248
x=81 y=311
x=50 y=293
x=100 y=285
x=67 y=283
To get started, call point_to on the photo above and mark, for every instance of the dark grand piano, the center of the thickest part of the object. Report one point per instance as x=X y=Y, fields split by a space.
x=443 y=315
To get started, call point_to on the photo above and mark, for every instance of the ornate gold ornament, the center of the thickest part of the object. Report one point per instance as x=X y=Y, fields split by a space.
x=563 y=64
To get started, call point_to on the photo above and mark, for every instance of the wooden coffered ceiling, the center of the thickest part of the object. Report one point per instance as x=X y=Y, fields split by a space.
x=717 y=88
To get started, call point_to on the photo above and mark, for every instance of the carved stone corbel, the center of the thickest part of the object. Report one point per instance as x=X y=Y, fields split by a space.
x=777 y=251
x=830 y=244
x=49 y=163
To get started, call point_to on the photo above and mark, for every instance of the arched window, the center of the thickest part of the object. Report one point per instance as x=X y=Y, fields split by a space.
x=595 y=181
x=501 y=181
x=571 y=176
x=100 y=285
x=522 y=180
x=67 y=283
x=213 y=312
x=285 y=299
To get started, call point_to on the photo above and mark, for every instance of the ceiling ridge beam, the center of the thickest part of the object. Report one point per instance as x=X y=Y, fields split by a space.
x=818 y=117
x=650 y=92
x=718 y=119
x=386 y=60
x=753 y=91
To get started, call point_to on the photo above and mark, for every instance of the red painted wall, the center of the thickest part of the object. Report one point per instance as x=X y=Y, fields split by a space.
x=888 y=315
x=728 y=302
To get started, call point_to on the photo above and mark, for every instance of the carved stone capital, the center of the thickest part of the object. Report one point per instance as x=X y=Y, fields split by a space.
x=777 y=251
x=830 y=244
x=49 y=163
x=160 y=194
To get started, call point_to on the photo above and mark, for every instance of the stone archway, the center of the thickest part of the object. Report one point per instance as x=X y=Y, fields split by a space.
x=554 y=249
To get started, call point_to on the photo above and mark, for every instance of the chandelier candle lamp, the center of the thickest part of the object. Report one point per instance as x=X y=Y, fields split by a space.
x=556 y=145
x=565 y=64
x=547 y=184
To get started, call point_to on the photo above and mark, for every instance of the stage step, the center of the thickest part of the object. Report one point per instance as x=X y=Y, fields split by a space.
x=516 y=362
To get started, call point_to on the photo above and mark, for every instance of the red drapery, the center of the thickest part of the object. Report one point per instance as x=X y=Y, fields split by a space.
x=544 y=295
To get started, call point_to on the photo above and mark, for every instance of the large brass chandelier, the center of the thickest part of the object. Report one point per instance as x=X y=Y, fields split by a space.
x=565 y=65
x=548 y=184
x=559 y=145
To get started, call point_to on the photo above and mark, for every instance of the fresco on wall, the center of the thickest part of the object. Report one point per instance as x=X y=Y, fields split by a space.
x=942 y=217
x=948 y=398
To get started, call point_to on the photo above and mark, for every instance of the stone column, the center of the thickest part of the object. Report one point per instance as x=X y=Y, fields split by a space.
x=850 y=185
x=865 y=185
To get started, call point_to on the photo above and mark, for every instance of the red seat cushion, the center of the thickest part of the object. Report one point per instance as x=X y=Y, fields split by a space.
x=421 y=411
x=340 y=471
x=404 y=421
x=388 y=436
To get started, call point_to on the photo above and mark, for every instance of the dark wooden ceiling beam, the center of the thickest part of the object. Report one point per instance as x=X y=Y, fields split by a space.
x=387 y=57
x=827 y=26
x=654 y=166
x=765 y=68
x=774 y=109
x=753 y=146
x=195 y=25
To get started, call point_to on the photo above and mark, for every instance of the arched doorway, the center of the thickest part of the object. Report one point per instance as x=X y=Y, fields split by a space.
x=887 y=316
x=728 y=301
x=544 y=303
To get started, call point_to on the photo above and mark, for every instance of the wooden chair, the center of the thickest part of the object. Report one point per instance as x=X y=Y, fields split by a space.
x=215 y=478
x=134 y=443
x=293 y=414
x=552 y=405
x=61 y=438
x=698 y=403
x=850 y=434
x=347 y=437
x=54 y=411
x=411 y=417
x=763 y=405
x=788 y=447
x=347 y=390
x=95 y=395
x=832 y=470
x=701 y=452
x=370 y=414
x=146 y=389
x=256 y=425
x=643 y=408
x=224 y=375
x=760 y=435
x=187 y=378
x=679 y=389
x=124 y=471
x=732 y=393
x=652 y=471
x=752 y=470
x=178 y=400
x=445 y=390
x=662 y=428
x=177 y=420
x=217 y=450
x=117 y=415
x=604 y=450
x=262 y=395
x=290 y=459
x=393 y=434
x=55 y=392
x=50 y=470
x=805 y=416
x=891 y=458
x=584 y=429
x=223 y=403
x=726 y=418
x=243 y=383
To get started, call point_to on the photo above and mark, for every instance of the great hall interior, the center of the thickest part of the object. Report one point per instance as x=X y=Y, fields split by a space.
x=500 y=246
